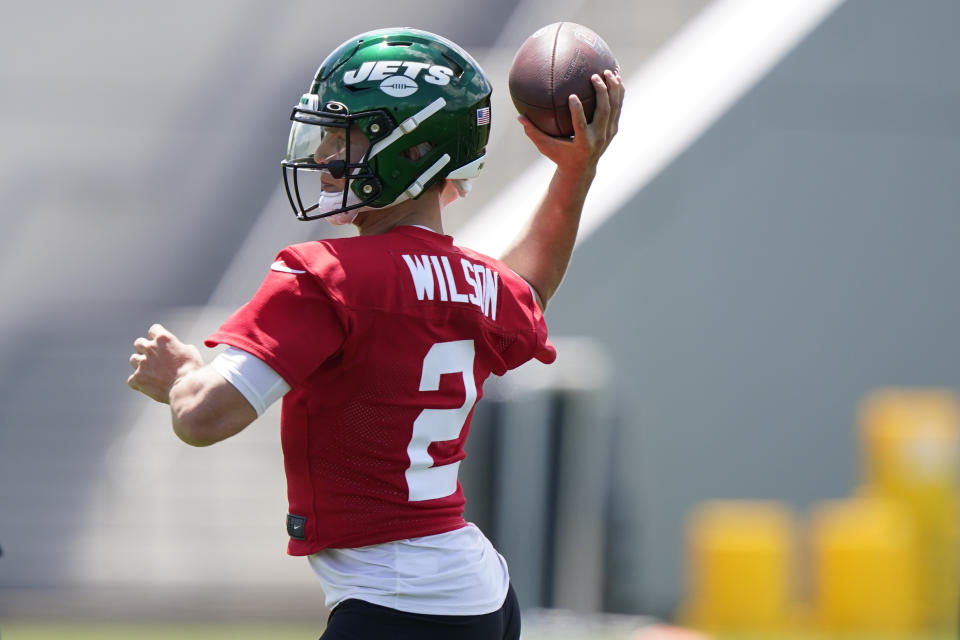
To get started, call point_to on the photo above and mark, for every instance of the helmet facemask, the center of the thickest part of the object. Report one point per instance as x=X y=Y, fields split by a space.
x=326 y=170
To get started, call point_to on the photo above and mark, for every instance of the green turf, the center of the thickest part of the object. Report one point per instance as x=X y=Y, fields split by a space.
x=90 y=631
x=260 y=631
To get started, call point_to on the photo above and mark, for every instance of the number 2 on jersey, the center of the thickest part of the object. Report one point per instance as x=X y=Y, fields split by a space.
x=424 y=480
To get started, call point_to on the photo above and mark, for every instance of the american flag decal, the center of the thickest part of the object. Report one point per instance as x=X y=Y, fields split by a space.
x=483 y=116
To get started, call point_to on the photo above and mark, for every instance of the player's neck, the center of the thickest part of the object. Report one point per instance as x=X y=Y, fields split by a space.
x=424 y=211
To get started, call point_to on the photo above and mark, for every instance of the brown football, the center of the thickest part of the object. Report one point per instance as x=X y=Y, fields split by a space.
x=553 y=63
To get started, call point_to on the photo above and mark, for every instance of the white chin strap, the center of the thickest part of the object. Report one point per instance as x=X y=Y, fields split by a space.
x=333 y=200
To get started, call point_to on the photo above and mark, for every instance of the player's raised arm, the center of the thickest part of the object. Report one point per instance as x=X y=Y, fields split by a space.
x=204 y=407
x=542 y=251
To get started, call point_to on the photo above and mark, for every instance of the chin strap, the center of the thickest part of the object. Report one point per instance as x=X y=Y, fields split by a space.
x=416 y=188
x=333 y=200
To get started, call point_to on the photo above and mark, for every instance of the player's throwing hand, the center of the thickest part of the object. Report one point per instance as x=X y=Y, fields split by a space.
x=581 y=153
x=159 y=360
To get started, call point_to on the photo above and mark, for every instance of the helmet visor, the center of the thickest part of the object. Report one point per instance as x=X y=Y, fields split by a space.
x=327 y=154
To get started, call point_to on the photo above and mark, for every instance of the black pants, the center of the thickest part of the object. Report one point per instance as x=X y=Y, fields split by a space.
x=359 y=620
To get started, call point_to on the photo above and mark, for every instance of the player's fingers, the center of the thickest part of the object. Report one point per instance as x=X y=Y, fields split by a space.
x=601 y=115
x=613 y=81
x=578 y=117
x=616 y=90
x=136 y=359
x=140 y=345
x=540 y=140
x=160 y=334
x=132 y=382
x=157 y=330
x=528 y=128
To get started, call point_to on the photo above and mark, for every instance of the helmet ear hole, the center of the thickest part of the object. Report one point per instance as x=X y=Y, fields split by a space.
x=418 y=151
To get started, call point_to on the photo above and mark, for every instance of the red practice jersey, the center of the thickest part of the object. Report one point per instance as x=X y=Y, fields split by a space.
x=385 y=341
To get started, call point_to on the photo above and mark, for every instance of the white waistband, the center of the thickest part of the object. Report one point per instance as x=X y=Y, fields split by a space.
x=453 y=573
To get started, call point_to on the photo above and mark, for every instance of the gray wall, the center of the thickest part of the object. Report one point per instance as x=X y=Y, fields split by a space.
x=800 y=254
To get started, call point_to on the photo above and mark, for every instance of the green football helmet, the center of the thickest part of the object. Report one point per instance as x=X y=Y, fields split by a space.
x=401 y=108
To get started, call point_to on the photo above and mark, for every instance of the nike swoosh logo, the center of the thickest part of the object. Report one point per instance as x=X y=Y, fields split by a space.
x=280 y=266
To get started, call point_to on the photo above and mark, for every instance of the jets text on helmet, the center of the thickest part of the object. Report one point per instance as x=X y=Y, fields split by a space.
x=382 y=69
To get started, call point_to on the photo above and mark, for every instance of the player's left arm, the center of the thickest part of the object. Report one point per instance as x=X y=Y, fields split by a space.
x=542 y=252
x=204 y=407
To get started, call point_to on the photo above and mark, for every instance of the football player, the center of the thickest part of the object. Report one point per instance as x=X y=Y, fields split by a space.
x=379 y=344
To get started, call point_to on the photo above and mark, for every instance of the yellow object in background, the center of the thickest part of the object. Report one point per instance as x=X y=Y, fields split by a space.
x=740 y=556
x=911 y=454
x=864 y=567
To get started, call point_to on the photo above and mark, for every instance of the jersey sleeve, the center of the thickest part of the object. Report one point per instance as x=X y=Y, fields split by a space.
x=529 y=319
x=291 y=323
x=544 y=351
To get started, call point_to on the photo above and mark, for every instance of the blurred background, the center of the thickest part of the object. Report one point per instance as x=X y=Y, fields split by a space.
x=753 y=423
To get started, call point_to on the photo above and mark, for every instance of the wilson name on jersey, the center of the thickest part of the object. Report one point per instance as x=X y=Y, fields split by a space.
x=479 y=282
